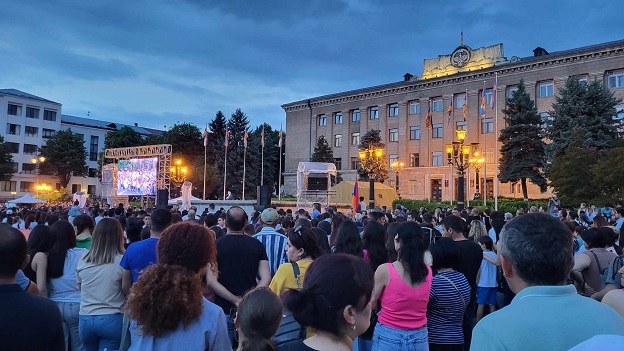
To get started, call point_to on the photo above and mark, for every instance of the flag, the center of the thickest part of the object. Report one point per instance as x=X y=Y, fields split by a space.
x=262 y=136
x=465 y=107
x=245 y=139
x=483 y=102
x=428 y=119
x=493 y=100
x=355 y=199
x=206 y=136
x=450 y=110
x=227 y=139
x=279 y=142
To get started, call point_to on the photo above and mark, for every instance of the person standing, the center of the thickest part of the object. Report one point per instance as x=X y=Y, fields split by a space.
x=487 y=285
x=274 y=242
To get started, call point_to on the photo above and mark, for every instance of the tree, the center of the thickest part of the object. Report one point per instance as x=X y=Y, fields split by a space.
x=572 y=177
x=607 y=177
x=237 y=126
x=124 y=137
x=379 y=164
x=322 y=151
x=216 y=137
x=582 y=118
x=65 y=155
x=6 y=161
x=185 y=139
x=522 y=151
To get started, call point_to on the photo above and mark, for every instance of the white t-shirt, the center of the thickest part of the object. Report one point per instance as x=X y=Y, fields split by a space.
x=100 y=292
x=487 y=277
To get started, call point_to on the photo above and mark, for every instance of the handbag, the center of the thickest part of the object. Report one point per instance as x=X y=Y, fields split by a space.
x=289 y=329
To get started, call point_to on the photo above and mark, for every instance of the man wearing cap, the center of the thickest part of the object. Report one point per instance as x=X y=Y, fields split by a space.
x=273 y=241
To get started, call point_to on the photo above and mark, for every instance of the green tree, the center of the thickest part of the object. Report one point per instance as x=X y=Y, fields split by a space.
x=607 y=175
x=237 y=126
x=522 y=149
x=582 y=118
x=6 y=161
x=378 y=164
x=65 y=155
x=572 y=177
x=185 y=139
x=322 y=151
x=124 y=137
x=216 y=137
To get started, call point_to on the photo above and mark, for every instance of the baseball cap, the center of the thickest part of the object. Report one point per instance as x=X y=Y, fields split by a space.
x=269 y=216
x=9 y=212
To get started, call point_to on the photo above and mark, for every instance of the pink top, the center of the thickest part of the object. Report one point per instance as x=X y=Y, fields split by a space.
x=404 y=307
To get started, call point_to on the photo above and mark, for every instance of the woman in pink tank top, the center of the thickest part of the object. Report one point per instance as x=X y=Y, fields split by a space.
x=402 y=288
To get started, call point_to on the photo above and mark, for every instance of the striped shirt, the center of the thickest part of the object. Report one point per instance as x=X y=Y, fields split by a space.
x=445 y=311
x=275 y=245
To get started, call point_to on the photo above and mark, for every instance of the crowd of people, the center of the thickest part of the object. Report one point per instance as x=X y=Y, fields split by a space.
x=120 y=278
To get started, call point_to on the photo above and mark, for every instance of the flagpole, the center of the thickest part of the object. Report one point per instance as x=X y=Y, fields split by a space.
x=205 y=147
x=486 y=154
x=279 y=179
x=430 y=133
x=244 y=168
x=262 y=161
x=224 y=172
x=496 y=152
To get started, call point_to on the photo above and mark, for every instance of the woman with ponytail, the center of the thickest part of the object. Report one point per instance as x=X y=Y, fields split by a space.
x=403 y=289
x=166 y=304
x=259 y=316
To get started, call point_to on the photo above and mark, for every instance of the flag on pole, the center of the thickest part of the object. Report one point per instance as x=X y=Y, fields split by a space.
x=262 y=136
x=206 y=136
x=227 y=139
x=245 y=139
x=465 y=107
x=450 y=111
x=428 y=118
x=493 y=99
x=483 y=102
x=355 y=199
x=279 y=142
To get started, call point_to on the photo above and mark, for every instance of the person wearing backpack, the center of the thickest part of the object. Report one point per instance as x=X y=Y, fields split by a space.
x=614 y=278
x=590 y=267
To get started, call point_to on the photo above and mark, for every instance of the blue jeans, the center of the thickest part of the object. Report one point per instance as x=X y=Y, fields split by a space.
x=69 y=313
x=101 y=332
x=230 y=327
x=391 y=339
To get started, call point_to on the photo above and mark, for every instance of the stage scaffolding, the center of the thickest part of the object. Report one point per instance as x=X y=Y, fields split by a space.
x=162 y=151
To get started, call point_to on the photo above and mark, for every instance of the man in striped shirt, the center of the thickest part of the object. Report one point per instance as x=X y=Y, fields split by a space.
x=273 y=241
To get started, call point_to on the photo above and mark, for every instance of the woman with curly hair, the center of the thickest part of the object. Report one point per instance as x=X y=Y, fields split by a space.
x=166 y=304
x=477 y=230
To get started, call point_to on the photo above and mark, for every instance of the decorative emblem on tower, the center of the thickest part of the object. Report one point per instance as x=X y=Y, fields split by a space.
x=461 y=56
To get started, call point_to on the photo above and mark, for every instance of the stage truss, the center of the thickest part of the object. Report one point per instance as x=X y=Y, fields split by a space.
x=163 y=151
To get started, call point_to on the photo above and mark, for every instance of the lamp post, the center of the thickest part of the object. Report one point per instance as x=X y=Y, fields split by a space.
x=371 y=160
x=458 y=155
x=476 y=162
x=37 y=161
x=396 y=167
x=178 y=173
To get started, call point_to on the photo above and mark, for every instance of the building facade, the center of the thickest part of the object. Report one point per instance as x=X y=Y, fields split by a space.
x=399 y=110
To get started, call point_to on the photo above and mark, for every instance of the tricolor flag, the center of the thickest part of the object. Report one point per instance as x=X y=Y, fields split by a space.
x=206 y=136
x=355 y=199
x=450 y=111
x=483 y=102
x=279 y=142
x=262 y=136
x=245 y=139
x=493 y=99
x=428 y=119
x=227 y=139
x=465 y=107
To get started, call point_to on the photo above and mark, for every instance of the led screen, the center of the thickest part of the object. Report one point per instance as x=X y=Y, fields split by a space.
x=137 y=176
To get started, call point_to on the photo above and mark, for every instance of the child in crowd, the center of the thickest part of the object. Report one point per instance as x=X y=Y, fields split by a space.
x=487 y=285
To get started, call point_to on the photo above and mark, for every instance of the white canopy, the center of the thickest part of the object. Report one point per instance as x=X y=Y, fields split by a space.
x=315 y=169
x=27 y=199
x=178 y=200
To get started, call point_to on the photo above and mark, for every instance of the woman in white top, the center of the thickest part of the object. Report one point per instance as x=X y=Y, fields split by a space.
x=99 y=277
x=56 y=278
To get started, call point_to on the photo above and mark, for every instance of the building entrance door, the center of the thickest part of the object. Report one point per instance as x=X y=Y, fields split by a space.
x=436 y=190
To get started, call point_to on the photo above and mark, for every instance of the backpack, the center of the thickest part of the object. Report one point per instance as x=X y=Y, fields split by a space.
x=602 y=271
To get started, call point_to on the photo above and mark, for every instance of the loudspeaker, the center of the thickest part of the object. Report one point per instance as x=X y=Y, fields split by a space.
x=263 y=196
x=317 y=183
x=162 y=198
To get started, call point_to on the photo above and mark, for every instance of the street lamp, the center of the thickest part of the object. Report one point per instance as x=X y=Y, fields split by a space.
x=458 y=155
x=37 y=161
x=396 y=167
x=178 y=173
x=371 y=159
x=476 y=162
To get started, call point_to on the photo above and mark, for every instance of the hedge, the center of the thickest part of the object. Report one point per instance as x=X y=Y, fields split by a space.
x=504 y=204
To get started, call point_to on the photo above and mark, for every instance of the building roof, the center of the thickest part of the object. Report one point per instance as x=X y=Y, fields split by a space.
x=105 y=125
x=19 y=93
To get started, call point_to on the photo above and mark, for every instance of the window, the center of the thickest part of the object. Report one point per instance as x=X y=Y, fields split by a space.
x=338 y=140
x=393 y=135
x=13 y=129
x=393 y=110
x=437 y=159
x=49 y=115
x=91 y=189
x=489 y=156
x=338 y=118
x=14 y=110
x=414 y=107
x=31 y=131
x=583 y=78
x=355 y=163
x=338 y=163
x=355 y=138
x=461 y=126
x=355 y=116
x=27 y=187
x=29 y=168
x=546 y=120
x=414 y=133
x=393 y=158
x=94 y=148
x=32 y=112
x=76 y=188
x=93 y=172
x=619 y=113
x=47 y=133
x=374 y=113
x=12 y=147
x=437 y=131
x=488 y=97
x=616 y=79
x=413 y=186
x=460 y=100
x=487 y=126
x=511 y=90
x=546 y=88
x=438 y=104
x=30 y=149
x=8 y=185
x=322 y=120
x=414 y=160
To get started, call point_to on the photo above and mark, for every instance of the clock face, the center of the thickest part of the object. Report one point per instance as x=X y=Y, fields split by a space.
x=460 y=57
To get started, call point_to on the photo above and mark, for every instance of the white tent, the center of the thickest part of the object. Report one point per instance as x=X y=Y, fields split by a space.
x=307 y=170
x=179 y=200
x=27 y=199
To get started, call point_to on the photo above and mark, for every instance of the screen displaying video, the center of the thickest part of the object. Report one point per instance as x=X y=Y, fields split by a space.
x=137 y=176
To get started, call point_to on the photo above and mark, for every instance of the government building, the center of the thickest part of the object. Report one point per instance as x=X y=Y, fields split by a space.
x=399 y=110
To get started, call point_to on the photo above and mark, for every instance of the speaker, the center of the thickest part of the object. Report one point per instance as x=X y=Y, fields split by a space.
x=263 y=196
x=162 y=198
x=318 y=183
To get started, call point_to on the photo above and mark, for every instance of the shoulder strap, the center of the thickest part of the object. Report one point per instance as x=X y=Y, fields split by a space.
x=616 y=265
x=597 y=261
x=296 y=271
x=455 y=286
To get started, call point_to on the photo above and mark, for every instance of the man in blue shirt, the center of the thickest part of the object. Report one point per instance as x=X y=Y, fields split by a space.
x=273 y=241
x=535 y=252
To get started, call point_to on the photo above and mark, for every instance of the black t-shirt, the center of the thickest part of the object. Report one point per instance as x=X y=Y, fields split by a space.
x=29 y=322
x=297 y=345
x=471 y=257
x=238 y=257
